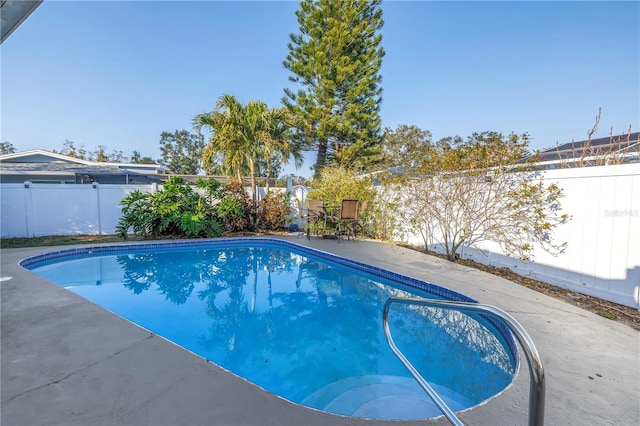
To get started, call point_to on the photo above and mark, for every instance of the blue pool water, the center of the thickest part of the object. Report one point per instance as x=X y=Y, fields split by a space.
x=302 y=324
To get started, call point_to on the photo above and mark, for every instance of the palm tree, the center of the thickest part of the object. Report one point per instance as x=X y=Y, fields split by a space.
x=236 y=134
x=253 y=130
x=226 y=141
x=277 y=142
x=243 y=134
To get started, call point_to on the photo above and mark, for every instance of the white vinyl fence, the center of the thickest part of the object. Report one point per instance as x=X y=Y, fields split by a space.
x=602 y=258
x=34 y=210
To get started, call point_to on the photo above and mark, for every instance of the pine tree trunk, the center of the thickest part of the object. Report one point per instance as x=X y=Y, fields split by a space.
x=322 y=157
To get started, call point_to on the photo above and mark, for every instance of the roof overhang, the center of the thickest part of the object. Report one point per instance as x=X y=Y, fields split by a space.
x=13 y=13
x=40 y=156
x=37 y=173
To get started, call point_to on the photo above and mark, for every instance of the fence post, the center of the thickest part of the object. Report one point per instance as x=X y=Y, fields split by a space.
x=96 y=186
x=28 y=210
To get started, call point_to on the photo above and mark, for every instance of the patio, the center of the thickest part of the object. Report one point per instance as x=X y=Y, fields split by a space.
x=68 y=361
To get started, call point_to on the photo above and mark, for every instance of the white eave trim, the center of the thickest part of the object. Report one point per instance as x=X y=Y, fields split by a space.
x=53 y=155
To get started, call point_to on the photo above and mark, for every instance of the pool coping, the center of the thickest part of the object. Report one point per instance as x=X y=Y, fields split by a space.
x=413 y=283
x=373 y=270
x=38 y=327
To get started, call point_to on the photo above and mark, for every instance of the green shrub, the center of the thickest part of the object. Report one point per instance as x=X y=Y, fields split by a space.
x=176 y=210
x=273 y=211
x=231 y=211
x=138 y=214
x=337 y=183
x=249 y=217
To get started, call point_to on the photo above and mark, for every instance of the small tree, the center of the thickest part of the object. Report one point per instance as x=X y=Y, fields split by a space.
x=182 y=151
x=277 y=142
x=236 y=130
x=295 y=180
x=69 y=149
x=7 y=148
x=404 y=151
x=383 y=212
x=471 y=191
x=101 y=156
x=136 y=158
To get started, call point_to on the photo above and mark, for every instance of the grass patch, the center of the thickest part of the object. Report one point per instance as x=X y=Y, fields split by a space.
x=66 y=240
x=607 y=315
x=57 y=240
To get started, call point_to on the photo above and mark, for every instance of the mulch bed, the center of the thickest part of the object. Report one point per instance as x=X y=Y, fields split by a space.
x=613 y=311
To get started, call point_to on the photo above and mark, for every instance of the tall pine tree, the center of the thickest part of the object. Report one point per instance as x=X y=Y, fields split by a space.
x=336 y=59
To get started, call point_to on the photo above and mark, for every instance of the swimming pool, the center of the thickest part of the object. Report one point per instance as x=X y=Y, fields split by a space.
x=302 y=324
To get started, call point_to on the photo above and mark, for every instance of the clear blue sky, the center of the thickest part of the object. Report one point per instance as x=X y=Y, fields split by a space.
x=119 y=73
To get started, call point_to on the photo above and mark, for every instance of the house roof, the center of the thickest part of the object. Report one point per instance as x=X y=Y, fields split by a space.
x=55 y=169
x=611 y=145
x=13 y=13
x=39 y=161
x=41 y=156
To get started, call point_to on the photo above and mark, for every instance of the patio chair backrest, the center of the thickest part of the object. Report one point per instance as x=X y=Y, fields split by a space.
x=349 y=210
x=315 y=208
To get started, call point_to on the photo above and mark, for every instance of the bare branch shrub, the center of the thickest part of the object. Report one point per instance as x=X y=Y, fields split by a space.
x=467 y=192
x=588 y=153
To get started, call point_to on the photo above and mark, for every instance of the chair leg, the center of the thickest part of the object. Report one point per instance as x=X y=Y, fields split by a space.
x=351 y=231
x=340 y=229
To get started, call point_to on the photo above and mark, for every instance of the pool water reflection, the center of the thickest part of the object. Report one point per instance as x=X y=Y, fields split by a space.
x=302 y=327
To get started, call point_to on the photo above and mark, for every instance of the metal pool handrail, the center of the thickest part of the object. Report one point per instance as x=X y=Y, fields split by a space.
x=536 y=372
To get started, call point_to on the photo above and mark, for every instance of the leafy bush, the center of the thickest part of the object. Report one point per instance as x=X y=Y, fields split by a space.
x=176 y=210
x=337 y=183
x=247 y=221
x=138 y=214
x=231 y=212
x=274 y=211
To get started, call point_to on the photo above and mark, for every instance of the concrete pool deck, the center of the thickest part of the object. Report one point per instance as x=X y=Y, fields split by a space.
x=67 y=361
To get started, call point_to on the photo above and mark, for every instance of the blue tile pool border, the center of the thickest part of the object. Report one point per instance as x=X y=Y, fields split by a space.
x=395 y=277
